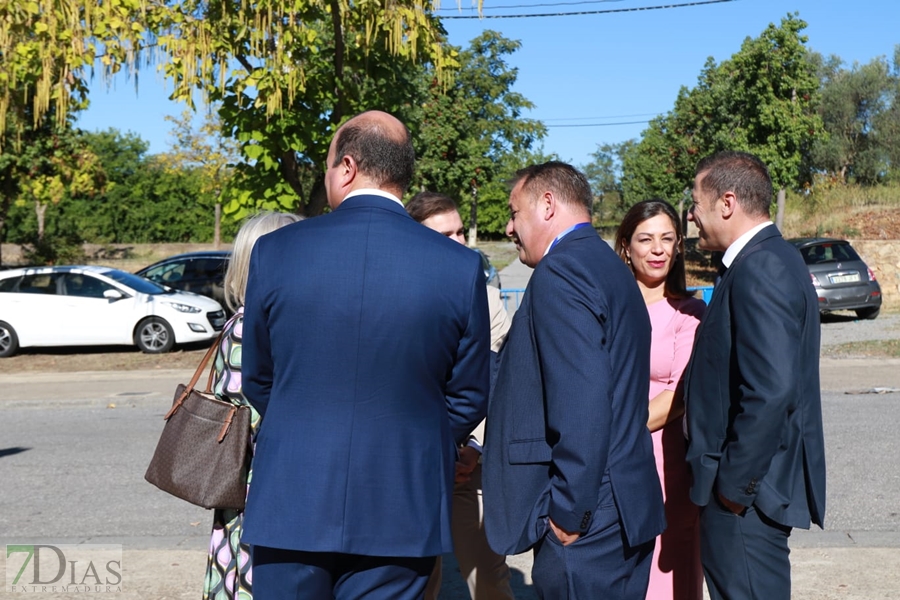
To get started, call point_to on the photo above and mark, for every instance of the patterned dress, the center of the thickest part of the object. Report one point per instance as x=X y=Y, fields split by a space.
x=228 y=569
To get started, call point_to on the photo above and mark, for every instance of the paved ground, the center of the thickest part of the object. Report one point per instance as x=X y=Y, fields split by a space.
x=74 y=447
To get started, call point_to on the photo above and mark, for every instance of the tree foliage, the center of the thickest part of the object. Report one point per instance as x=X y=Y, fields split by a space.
x=762 y=100
x=49 y=47
x=604 y=173
x=471 y=137
x=855 y=108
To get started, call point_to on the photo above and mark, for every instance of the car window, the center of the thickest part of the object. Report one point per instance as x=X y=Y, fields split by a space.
x=167 y=273
x=208 y=268
x=8 y=284
x=829 y=252
x=85 y=286
x=45 y=283
x=135 y=282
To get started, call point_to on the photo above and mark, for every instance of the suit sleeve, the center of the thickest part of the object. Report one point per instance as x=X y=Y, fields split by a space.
x=467 y=387
x=256 y=352
x=575 y=366
x=767 y=308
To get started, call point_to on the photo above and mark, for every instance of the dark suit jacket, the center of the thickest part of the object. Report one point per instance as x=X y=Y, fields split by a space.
x=754 y=413
x=366 y=351
x=567 y=424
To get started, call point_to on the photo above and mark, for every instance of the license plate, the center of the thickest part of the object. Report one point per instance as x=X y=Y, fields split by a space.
x=844 y=278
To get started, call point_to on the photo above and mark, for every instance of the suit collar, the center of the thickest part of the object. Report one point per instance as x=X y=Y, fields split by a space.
x=374 y=192
x=734 y=250
x=576 y=234
x=372 y=201
x=762 y=235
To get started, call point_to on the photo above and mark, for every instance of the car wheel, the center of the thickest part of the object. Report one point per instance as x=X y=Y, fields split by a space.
x=154 y=336
x=868 y=313
x=9 y=341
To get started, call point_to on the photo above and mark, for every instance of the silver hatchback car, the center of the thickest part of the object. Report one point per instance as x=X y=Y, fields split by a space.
x=841 y=278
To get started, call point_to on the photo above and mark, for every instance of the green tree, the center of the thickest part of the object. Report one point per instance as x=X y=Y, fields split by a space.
x=604 y=173
x=284 y=154
x=209 y=152
x=473 y=136
x=762 y=100
x=50 y=46
x=853 y=104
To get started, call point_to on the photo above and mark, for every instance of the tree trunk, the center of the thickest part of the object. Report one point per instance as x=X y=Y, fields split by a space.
x=473 y=220
x=217 y=229
x=779 y=214
x=318 y=198
x=40 y=210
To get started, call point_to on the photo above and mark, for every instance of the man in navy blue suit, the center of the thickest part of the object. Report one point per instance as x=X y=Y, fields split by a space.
x=568 y=463
x=752 y=399
x=366 y=352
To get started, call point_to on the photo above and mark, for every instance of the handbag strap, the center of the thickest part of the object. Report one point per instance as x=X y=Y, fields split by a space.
x=196 y=377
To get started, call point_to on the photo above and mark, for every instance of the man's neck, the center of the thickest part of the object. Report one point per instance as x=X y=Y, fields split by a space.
x=562 y=227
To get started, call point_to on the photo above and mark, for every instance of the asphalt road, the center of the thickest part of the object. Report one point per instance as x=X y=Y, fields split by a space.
x=74 y=448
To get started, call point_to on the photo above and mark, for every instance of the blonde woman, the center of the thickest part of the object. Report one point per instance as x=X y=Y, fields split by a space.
x=228 y=566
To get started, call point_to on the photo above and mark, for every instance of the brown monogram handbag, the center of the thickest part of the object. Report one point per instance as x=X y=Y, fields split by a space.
x=203 y=453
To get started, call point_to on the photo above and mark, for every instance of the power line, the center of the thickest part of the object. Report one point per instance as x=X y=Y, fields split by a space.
x=598 y=118
x=534 y=5
x=589 y=12
x=600 y=124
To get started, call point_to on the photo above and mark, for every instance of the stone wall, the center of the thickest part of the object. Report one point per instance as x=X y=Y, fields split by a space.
x=883 y=257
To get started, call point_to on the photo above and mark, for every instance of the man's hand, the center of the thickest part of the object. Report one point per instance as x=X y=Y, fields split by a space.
x=732 y=506
x=468 y=460
x=562 y=535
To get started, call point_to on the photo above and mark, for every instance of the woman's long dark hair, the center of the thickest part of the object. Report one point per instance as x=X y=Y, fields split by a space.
x=675 y=285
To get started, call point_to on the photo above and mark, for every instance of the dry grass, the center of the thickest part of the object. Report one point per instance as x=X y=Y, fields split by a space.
x=844 y=211
x=99 y=358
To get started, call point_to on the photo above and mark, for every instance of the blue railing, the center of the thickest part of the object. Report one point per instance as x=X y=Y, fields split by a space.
x=706 y=292
x=512 y=296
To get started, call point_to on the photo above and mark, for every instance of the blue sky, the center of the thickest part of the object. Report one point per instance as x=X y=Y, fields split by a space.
x=586 y=69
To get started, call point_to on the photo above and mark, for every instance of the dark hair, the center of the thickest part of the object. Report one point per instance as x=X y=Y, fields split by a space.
x=675 y=285
x=741 y=173
x=569 y=183
x=427 y=204
x=378 y=155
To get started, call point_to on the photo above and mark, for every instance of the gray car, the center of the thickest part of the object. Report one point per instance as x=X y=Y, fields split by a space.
x=841 y=278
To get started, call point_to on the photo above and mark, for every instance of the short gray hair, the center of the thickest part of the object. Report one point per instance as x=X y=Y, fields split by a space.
x=252 y=229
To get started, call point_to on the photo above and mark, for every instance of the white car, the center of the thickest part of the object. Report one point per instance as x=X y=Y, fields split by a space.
x=83 y=306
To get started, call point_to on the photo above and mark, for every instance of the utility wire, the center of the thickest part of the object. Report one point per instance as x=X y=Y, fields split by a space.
x=531 y=5
x=598 y=118
x=599 y=124
x=588 y=12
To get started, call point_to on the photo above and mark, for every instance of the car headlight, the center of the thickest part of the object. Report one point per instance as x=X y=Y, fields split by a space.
x=185 y=308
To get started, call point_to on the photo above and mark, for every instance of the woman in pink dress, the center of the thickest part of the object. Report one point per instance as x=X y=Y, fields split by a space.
x=649 y=240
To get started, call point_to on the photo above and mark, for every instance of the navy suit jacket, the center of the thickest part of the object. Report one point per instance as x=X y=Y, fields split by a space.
x=753 y=406
x=366 y=350
x=567 y=423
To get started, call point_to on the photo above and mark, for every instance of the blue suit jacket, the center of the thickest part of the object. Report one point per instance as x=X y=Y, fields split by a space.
x=752 y=399
x=366 y=351
x=567 y=429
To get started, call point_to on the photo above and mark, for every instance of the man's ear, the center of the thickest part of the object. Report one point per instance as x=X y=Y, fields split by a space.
x=729 y=205
x=547 y=202
x=347 y=170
